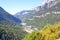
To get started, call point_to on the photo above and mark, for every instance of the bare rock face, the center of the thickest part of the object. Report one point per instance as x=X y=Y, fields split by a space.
x=46 y=4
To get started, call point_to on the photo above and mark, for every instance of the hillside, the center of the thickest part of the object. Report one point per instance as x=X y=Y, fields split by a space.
x=23 y=15
x=50 y=15
x=49 y=32
x=39 y=18
x=6 y=17
x=10 y=27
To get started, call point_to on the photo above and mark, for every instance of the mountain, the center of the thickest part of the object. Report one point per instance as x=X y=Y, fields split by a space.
x=10 y=27
x=46 y=4
x=8 y=18
x=48 y=12
x=23 y=14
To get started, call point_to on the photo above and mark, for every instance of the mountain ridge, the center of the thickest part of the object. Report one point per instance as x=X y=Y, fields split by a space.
x=42 y=17
x=8 y=17
x=10 y=27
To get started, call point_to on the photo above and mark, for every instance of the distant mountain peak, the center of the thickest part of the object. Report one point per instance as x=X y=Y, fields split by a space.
x=46 y=4
x=24 y=12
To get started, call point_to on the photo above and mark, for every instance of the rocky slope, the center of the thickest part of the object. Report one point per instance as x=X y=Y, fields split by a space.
x=48 y=12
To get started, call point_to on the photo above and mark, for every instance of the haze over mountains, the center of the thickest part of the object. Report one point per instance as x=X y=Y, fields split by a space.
x=48 y=12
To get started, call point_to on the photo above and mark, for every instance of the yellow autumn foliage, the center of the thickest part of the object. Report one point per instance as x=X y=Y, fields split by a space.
x=49 y=32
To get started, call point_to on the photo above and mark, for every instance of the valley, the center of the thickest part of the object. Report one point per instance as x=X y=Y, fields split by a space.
x=39 y=23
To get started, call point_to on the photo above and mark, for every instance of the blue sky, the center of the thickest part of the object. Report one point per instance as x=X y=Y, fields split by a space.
x=14 y=6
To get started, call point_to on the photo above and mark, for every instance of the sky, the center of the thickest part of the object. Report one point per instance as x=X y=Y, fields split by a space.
x=14 y=6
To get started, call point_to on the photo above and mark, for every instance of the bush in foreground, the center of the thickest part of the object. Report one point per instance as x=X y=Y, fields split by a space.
x=49 y=32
